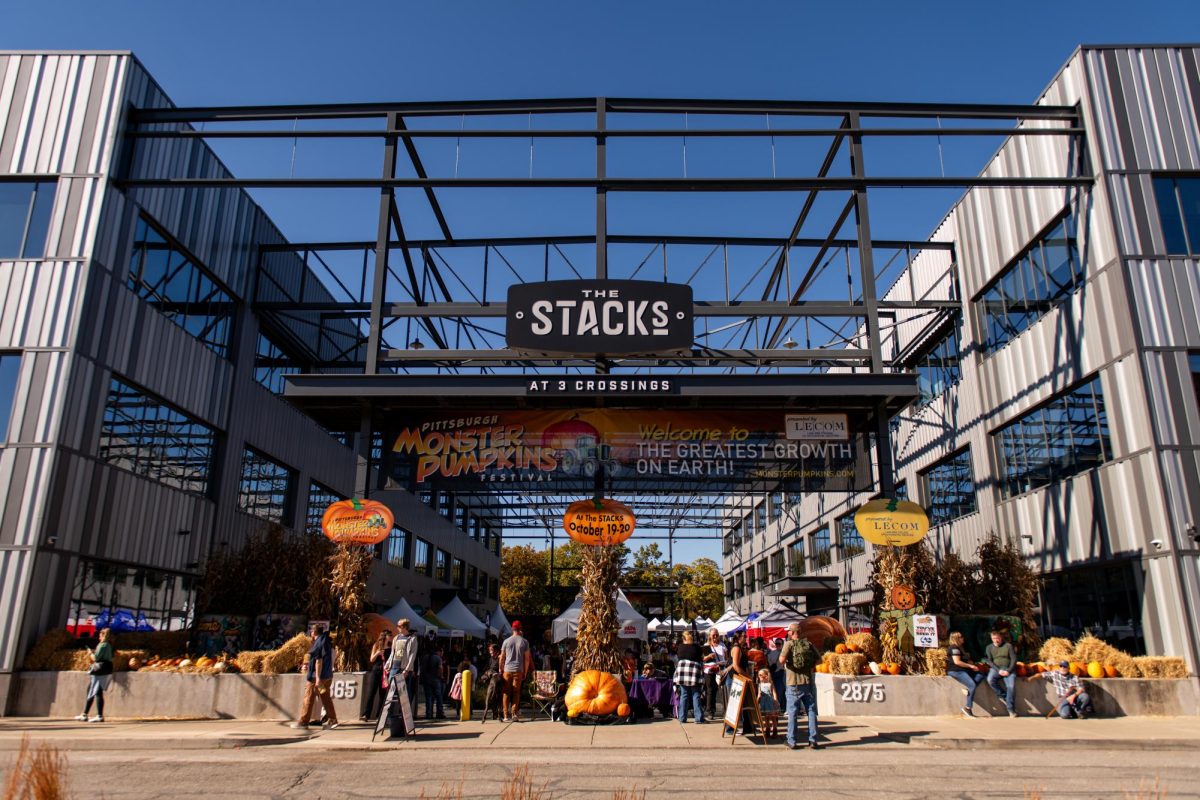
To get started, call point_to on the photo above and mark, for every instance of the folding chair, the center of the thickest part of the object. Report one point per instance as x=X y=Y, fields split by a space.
x=545 y=691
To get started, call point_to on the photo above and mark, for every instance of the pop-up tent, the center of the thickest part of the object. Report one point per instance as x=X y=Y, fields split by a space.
x=773 y=623
x=458 y=617
x=654 y=624
x=434 y=621
x=403 y=610
x=746 y=622
x=728 y=621
x=630 y=624
x=499 y=623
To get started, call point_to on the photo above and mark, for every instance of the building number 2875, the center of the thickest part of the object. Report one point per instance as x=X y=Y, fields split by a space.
x=862 y=692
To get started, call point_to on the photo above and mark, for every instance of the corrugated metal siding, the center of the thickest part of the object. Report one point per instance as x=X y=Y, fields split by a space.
x=15 y=568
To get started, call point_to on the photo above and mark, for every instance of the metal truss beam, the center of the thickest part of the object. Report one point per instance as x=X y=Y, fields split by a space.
x=542 y=241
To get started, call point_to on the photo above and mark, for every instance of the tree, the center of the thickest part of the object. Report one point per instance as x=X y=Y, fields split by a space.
x=701 y=592
x=649 y=568
x=524 y=578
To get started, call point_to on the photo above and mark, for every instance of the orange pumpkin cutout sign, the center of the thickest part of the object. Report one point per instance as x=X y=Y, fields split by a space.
x=903 y=597
x=599 y=522
x=365 y=522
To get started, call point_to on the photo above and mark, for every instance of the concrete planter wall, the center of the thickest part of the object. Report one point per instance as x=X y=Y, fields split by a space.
x=164 y=694
x=916 y=695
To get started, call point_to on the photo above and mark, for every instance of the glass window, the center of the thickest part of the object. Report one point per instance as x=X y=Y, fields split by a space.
x=950 y=486
x=476 y=528
x=145 y=436
x=422 y=563
x=460 y=517
x=749 y=575
x=319 y=499
x=496 y=542
x=164 y=276
x=1030 y=286
x=1179 y=212
x=271 y=364
x=125 y=597
x=458 y=577
x=762 y=573
x=494 y=588
x=266 y=488
x=777 y=506
x=796 y=565
x=729 y=589
x=25 y=217
x=443 y=566
x=1061 y=438
x=10 y=369
x=901 y=492
x=820 y=549
x=938 y=368
x=760 y=517
x=849 y=538
x=473 y=577
x=777 y=571
x=739 y=584
x=396 y=548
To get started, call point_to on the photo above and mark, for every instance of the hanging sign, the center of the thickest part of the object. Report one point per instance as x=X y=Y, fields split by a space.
x=365 y=522
x=599 y=522
x=925 y=630
x=588 y=317
x=892 y=522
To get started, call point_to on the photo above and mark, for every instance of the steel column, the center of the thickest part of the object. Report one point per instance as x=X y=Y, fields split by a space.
x=384 y=234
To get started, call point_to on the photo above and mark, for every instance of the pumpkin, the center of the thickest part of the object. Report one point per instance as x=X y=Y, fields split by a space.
x=903 y=597
x=134 y=664
x=1111 y=672
x=220 y=666
x=823 y=668
x=187 y=662
x=1094 y=670
x=365 y=522
x=623 y=710
x=594 y=692
x=866 y=670
x=893 y=668
x=1077 y=669
x=875 y=668
x=1022 y=670
x=599 y=522
x=840 y=649
x=818 y=628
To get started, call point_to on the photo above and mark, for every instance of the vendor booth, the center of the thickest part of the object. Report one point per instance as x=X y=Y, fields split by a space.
x=630 y=624
x=458 y=617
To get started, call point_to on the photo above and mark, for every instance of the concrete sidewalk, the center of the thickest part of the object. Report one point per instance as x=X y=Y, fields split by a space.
x=1130 y=733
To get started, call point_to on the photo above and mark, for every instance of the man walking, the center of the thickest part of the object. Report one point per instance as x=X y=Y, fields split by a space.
x=517 y=663
x=319 y=677
x=799 y=659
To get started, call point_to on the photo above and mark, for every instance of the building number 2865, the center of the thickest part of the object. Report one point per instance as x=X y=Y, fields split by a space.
x=345 y=690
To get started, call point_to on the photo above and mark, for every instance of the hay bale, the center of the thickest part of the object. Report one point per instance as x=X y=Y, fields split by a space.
x=121 y=658
x=1089 y=649
x=867 y=644
x=936 y=661
x=41 y=653
x=289 y=657
x=1057 y=649
x=848 y=664
x=1160 y=667
x=69 y=661
x=251 y=660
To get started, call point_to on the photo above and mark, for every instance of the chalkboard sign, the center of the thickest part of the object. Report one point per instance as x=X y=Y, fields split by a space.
x=396 y=694
x=741 y=692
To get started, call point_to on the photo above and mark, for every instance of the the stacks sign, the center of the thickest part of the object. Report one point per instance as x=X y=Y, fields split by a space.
x=593 y=316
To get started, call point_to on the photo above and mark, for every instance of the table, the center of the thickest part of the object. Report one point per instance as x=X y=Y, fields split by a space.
x=656 y=692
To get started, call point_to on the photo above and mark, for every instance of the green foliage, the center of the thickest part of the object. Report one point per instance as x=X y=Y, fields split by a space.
x=701 y=592
x=649 y=568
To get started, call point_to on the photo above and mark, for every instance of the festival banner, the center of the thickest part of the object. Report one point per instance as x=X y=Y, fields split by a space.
x=670 y=450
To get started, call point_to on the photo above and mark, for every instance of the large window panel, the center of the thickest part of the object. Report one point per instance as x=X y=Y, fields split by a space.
x=950 y=486
x=145 y=436
x=320 y=498
x=25 y=217
x=1178 y=199
x=395 y=551
x=821 y=555
x=796 y=563
x=423 y=557
x=850 y=539
x=265 y=489
x=1063 y=437
x=10 y=369
x=443 y=566
x=938 y=368
x=165 y=277
x=271 y=364
x=1034 y=283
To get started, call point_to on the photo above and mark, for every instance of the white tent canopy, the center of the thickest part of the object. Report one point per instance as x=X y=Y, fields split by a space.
x=654 y=625
x=630 y=624
x=459 y=617
x=403 y=610
x=499 y=623
x=728 y=621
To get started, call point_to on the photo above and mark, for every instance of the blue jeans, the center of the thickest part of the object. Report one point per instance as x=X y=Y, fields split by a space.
x=1080 y=707
x=690 y=695
x=795 y=696
x=971 y=680
x=1007 y=692
x=433 y=693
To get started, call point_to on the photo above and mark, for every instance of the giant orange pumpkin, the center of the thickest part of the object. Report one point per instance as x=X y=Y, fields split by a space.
x=594 y=692
x=365 y=522
x=819 y=628
x=599 y=522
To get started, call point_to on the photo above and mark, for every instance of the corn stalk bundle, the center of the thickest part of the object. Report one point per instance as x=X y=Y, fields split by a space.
x=1007 y=585
x=889 y=640
x=955 y=582
x=349 y=568
x=597 y=644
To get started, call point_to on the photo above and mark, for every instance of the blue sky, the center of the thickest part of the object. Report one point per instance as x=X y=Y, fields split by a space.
x=265 y=51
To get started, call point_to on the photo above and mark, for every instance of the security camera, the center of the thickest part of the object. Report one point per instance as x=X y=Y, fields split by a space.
x=1157 y=543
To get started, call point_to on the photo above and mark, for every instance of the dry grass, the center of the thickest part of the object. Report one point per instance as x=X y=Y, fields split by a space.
x=447 y=791
x=251 y=660
x=1160 y=667
x=1147 y=791
x=287 y=658
x=867 y=644
x=40 y=773
x=41 y=654
x=848 y=664
x=598 y=647
x=1034 y=794
x=521 y=787
x=1056 y=649
x=629 y=794
x=937 y=661
x=1089 y=648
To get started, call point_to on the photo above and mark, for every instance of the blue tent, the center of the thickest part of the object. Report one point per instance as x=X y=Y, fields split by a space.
x=753 y=616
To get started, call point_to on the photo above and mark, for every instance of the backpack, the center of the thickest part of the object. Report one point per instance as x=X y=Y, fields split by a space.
x=801 y=656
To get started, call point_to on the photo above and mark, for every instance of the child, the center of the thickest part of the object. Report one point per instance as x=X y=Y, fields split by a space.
x=768 y=703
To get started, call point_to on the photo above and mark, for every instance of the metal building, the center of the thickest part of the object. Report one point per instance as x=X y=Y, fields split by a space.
x=1059 y=407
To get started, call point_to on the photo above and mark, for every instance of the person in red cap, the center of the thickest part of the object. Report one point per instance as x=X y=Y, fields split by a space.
x=516 y=662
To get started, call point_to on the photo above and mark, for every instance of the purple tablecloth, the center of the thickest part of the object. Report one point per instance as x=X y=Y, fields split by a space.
x=655 y=692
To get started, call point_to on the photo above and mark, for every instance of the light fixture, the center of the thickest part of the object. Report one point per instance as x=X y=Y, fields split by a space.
x=51 y=541
x=182 y=532
x=790 y=343
x=416 y=344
